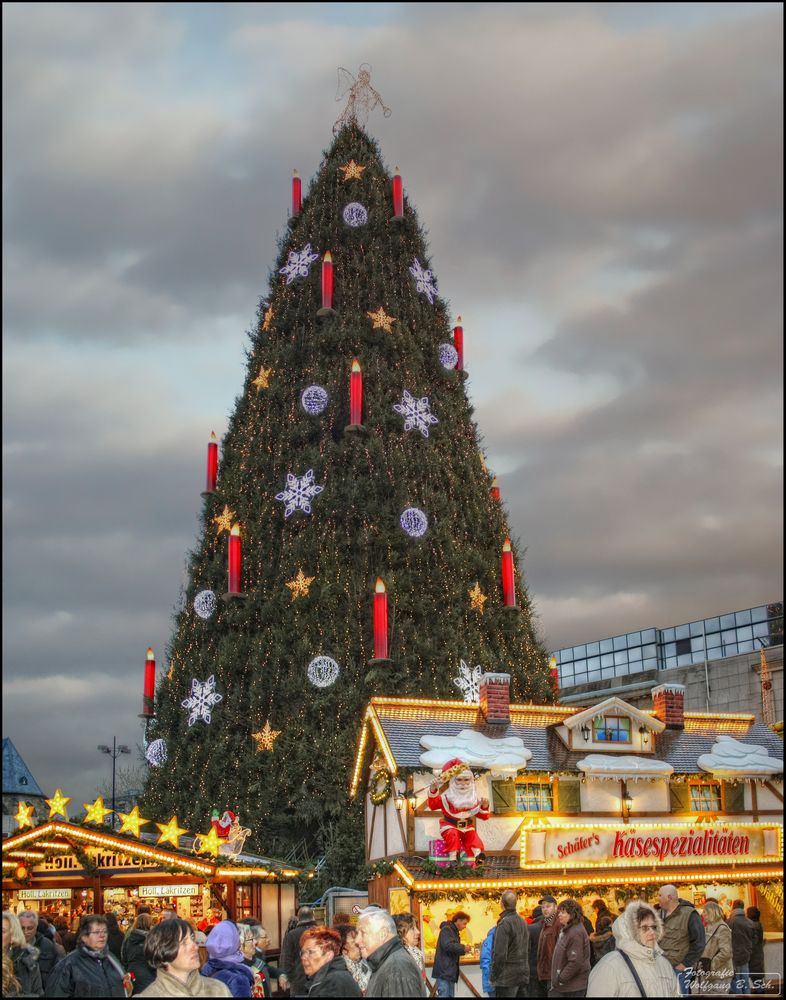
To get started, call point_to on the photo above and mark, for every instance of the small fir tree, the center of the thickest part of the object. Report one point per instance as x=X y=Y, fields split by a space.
x=258 y=650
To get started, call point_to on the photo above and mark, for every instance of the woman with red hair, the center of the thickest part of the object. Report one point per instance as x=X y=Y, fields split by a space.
x=328 y=976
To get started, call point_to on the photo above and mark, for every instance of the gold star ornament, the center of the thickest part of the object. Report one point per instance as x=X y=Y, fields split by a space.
x=266 y=737
x=209 y=843
x=299 y=586
x=381 y=321
x=269 y=314
x=24 y=815
x=96 y=812
x=262 y=381
x=477 y=598
x=170 y=832
x=57 y=804
x=130 y=822
x=225 y=520
x=352 y=171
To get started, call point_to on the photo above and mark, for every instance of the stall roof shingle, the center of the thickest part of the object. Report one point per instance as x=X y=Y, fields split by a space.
x=17 y=777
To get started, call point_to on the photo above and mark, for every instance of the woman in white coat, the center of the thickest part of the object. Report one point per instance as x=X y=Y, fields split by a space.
x=637 y=957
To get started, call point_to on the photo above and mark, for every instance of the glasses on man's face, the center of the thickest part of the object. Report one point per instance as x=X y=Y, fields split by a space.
x=310 y=951
x=648 y=927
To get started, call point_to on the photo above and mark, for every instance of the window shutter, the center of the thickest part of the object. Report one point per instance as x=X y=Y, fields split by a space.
x=680 y=797
x=503 y=795
x=733 y=796
x=569 y=796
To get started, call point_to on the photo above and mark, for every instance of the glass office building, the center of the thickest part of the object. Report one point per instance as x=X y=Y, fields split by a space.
x=678 y=646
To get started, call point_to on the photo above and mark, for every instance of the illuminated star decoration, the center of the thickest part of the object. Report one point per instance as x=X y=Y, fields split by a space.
x=225 y=520
x=381 y=320
x=299 y=586
x=96 y=812
x=130 y=822
x=57 y=804
x=266 y=737
x=352 y=170
x=477 y=598
x=269 y=314
x=24 y=815
x=170 y=832
x=262 y=380
x=209 y=843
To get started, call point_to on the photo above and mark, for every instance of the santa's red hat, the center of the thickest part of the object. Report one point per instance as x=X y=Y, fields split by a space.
x=453 y=768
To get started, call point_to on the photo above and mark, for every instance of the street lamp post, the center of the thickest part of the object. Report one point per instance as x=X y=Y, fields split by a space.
x=114 y=753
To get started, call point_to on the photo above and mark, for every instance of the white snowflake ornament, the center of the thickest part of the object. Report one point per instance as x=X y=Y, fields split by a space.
x=323 y=671
x=424 y=280
x=298 y=493
x=355 y=214
x=205 y=604
x=448 y=356
x=416 y=412
x=156 y=754
x=468 y=682
x=414 y=522
x=314 y=399
x=200 y=702
x=298 y=263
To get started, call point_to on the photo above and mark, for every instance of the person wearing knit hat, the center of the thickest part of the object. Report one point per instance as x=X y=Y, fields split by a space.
x=226 y=959
x=456 y=798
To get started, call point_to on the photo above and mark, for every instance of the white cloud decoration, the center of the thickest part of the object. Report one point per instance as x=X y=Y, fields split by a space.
x=730 y=758
x=506 y=754
x=601 y=765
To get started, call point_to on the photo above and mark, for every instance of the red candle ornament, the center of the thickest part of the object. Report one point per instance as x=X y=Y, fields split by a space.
x=235 y=559
x=508 y=582
x=380 y=621
x=149 y=690
x=212 y=463
x=356 y=395
x=554 y=675
x=297 y=193
x=495 y=489
x=398 y=196
x=458 y=343
x=327 y=280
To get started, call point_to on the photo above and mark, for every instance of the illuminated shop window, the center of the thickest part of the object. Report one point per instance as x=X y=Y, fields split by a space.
x=534 y=797
x=705 y=796
x=611 y=729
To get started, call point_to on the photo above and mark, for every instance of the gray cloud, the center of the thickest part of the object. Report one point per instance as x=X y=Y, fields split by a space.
x=602 y=180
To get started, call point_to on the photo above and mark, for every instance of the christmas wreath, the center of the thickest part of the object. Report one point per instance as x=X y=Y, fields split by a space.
x=381 y=786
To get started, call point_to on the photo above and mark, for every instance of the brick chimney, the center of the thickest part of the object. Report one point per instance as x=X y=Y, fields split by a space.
x=668 y=700
x=495 y=698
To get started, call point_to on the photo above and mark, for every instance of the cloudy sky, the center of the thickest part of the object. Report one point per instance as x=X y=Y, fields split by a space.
x=602 y=185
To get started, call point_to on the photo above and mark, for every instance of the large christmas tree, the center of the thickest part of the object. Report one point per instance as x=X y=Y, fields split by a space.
x=319 y=503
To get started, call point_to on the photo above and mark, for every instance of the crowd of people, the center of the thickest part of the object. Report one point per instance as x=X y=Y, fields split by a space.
x=663 y=949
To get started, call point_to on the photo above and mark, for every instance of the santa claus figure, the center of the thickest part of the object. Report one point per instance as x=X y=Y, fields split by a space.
x=456 y=798
x=223 y=825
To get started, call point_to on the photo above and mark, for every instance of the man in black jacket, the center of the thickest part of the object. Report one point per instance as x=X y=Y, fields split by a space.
x=47 y=952
x=510 y=958
x=449 y=950
x=393 y=970
x=292 y=974
x=534 y=935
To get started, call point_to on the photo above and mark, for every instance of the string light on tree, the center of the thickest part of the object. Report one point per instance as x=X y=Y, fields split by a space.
x=156 y=754
x=201 y=700
x=448 y=356
x=96 y=811
x=24 y=815
x=299 y=492
x=266 y=737
x=323 y=671
x=424 y=280
x=477 y=598
x=299 y=587
x=299 y=263
x=314 y=400
x=205 y=604
x=57 y=804
x=414 y=522
x=416 y=412
x=225 y=520
x=131 y=822
x=355 y=214
x=170 y=832
x=381 y=321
